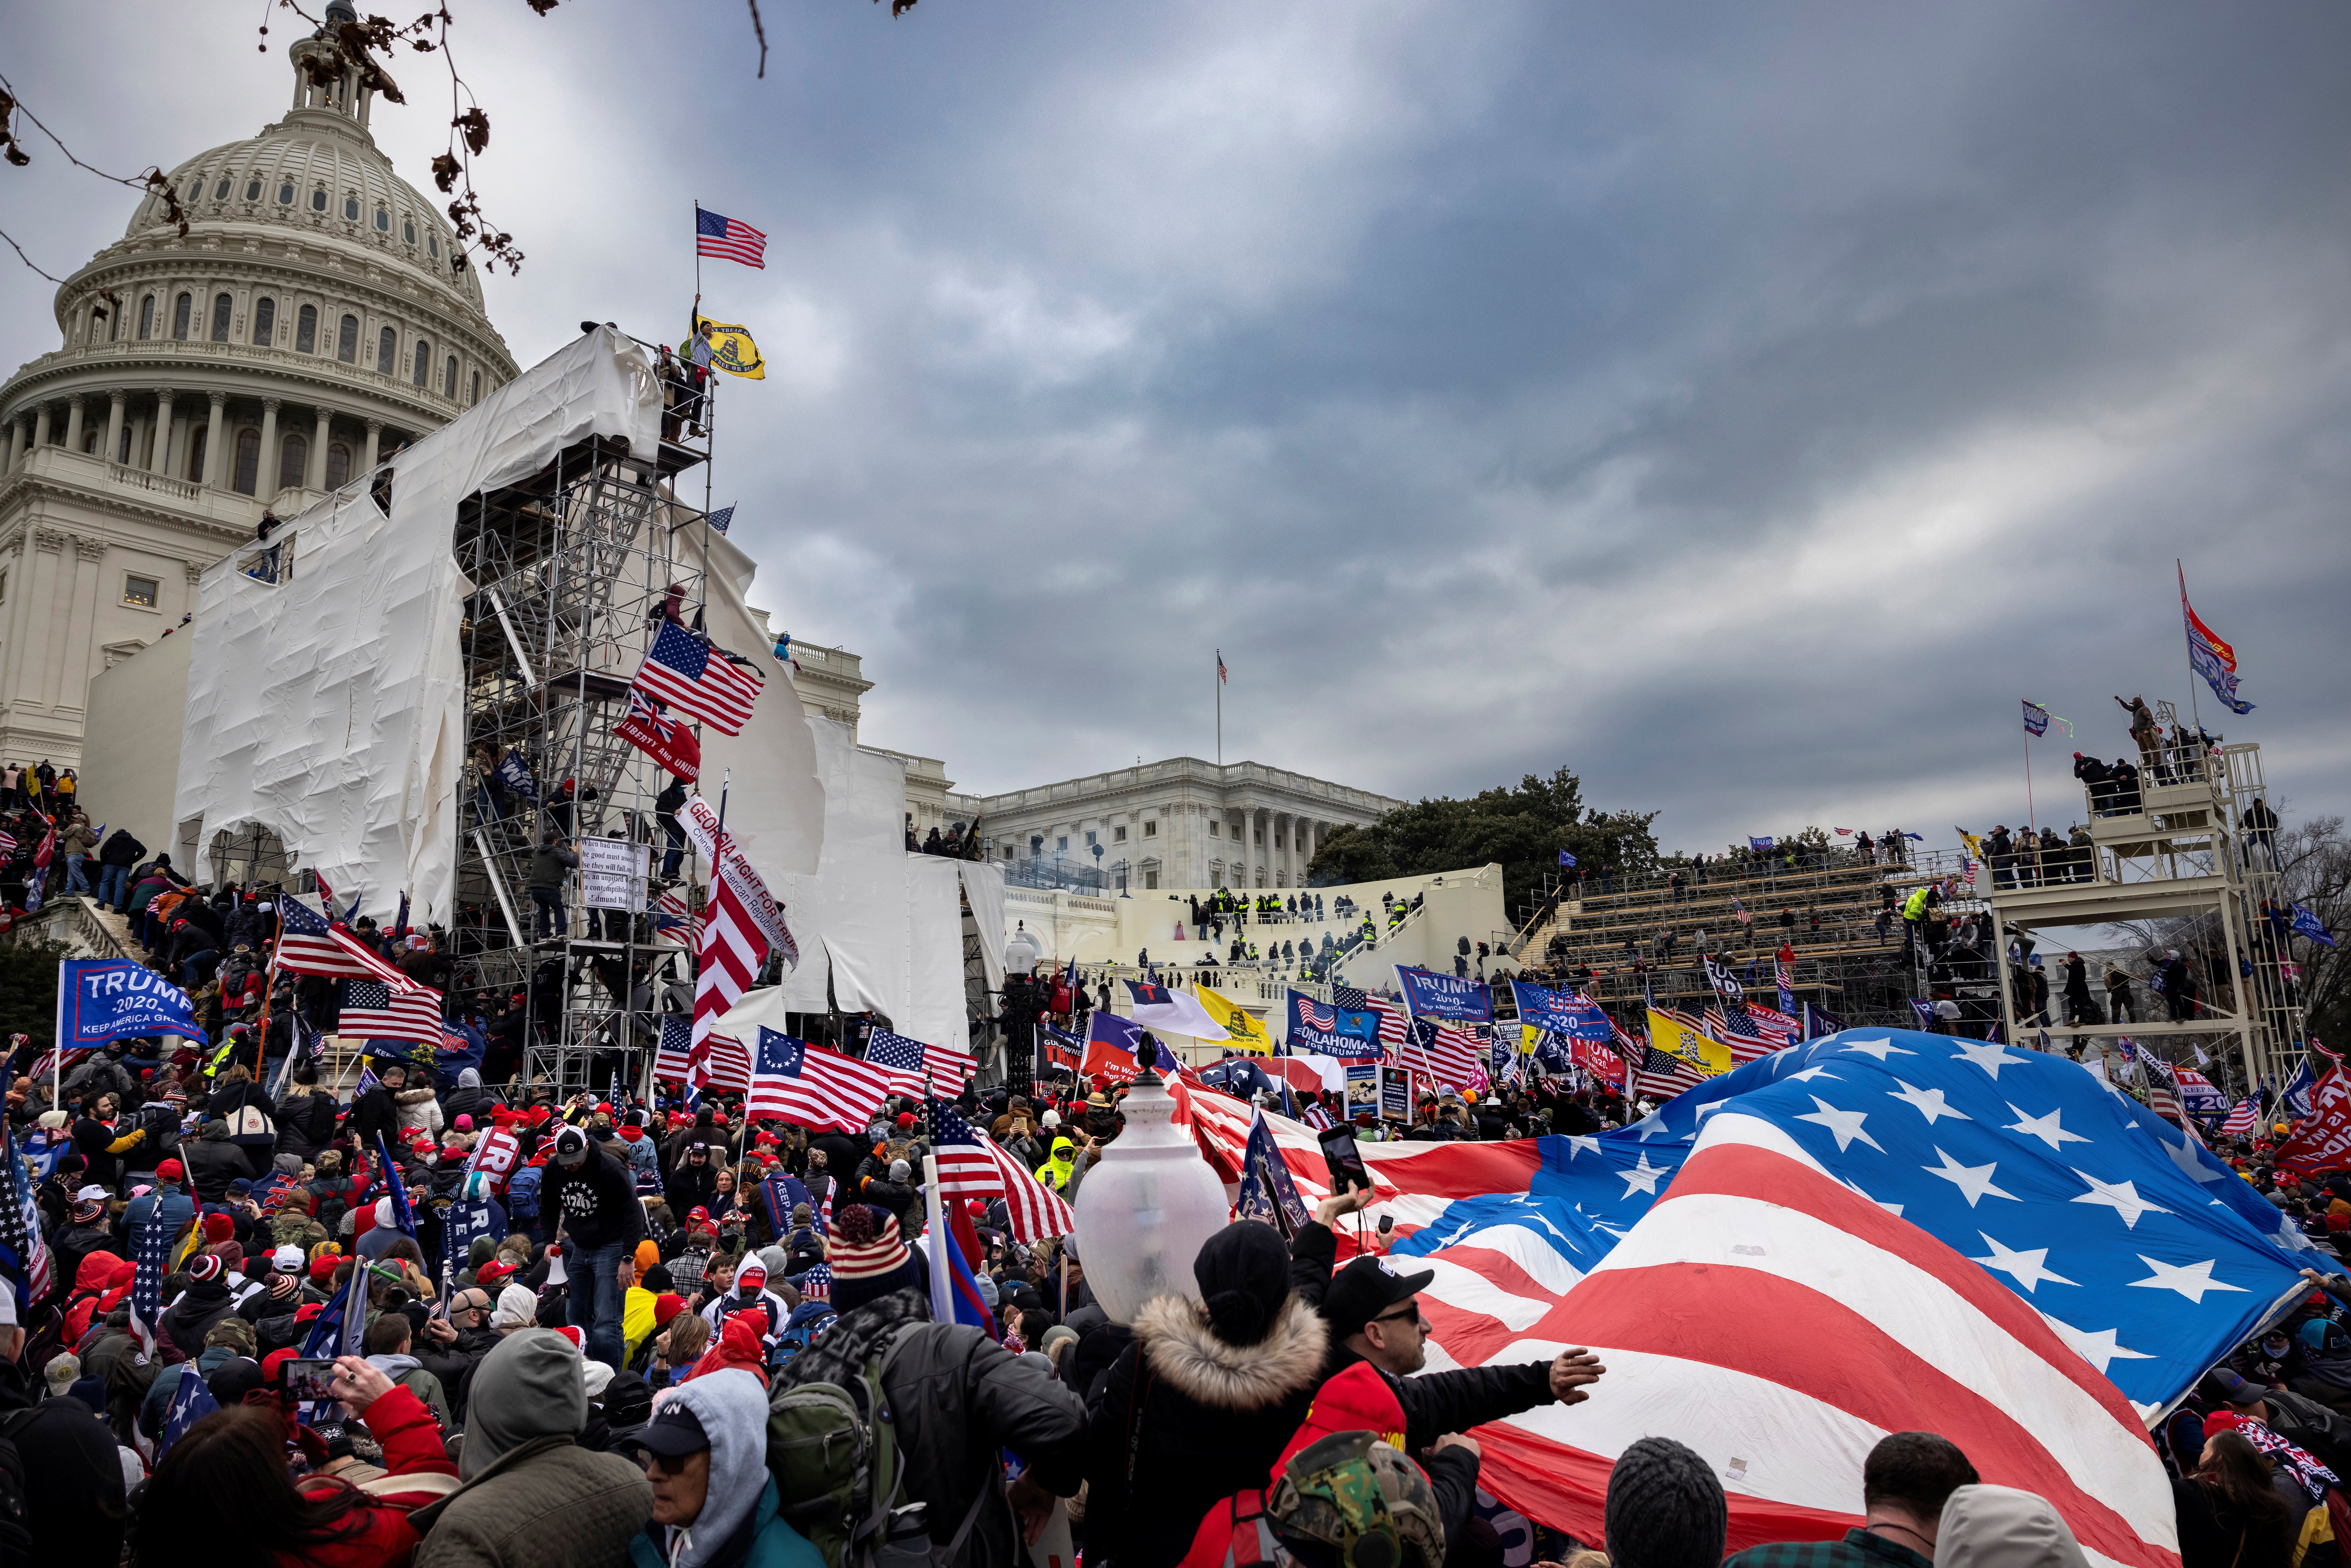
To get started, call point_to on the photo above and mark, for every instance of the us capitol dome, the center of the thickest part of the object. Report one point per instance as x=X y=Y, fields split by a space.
x=311 y=320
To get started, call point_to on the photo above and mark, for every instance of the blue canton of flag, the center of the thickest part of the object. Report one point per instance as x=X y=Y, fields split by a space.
x=720 y=518
x=190 y=1402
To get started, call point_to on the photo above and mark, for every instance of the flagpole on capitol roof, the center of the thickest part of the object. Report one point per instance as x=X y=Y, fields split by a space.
x=2188 y=636
x=1220 y=707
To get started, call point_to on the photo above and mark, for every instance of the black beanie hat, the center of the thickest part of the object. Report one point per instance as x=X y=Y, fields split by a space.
x=1243 y=1272
x=1665 y=1508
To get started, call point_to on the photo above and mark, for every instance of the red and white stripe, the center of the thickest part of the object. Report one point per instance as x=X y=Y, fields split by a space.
x=1777 y=1028
x=727 y=959
x=1395 y=1027
x=1780 y=1325
x=727 y=1067
x=1744 y=1048
x=2240 y=1120
x=1036 y=1211
x=340 y=955
x=1457 y=1059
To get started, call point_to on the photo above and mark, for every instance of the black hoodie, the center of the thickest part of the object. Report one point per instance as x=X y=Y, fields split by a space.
x=75 y=1508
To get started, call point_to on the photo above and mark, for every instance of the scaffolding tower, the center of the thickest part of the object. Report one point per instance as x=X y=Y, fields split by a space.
x=572 y=569
x=2190 y=855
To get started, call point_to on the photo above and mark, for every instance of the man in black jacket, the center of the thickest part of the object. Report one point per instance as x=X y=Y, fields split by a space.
x=595 y=1198
x=1375 y=1316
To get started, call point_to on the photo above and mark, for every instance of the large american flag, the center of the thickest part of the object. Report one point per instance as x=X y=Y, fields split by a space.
x=717 y=234
x=917 y=1069
x=811 y=1087
x=688 y=673
x=374 y=1010
x=148 y=1263
x=972 y=1164
x=308 y=945
x=673 y=1058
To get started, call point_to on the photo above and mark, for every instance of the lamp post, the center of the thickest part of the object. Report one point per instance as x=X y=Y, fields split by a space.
x=1098 y=881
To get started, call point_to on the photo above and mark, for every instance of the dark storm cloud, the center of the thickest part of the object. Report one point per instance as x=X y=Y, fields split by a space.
x=1742 y=406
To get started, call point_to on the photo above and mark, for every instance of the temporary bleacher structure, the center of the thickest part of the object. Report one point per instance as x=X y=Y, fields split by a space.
x=2191 y=853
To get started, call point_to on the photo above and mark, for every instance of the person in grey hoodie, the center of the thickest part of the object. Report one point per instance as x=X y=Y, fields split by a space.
x=530 y=1495
x=715 y=1504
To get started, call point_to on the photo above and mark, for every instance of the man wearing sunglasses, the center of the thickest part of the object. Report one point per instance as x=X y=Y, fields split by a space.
x=452 y=1347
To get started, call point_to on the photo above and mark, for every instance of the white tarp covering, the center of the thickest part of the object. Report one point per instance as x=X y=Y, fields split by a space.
x=326 y=707
x=983 y=888
x=887 y=927
x=775 y=810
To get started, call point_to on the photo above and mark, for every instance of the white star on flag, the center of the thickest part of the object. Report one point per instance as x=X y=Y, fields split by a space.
x=1986 y=1055
x=1580 y=1143
x=1880 y=1048
x=1845 y=1124
x=1643 y=1178
x=2192 y=1280
x=2097 y=1349
x=2121 y=1196
x=2025 y=1266
x=1974 y=1182
x=1929 y=1104
x=2044 y=1128
x=1809 y=1074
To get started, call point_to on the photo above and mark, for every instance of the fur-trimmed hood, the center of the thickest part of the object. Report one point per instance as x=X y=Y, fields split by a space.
x=1183 y=1349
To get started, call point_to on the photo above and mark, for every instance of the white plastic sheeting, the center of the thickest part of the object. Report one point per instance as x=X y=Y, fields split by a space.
x=983 y=887
x=326 y=707
x=887 y=927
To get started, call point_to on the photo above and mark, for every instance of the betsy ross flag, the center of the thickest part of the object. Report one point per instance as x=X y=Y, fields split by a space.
x=811 y=1087
x=717 y=234
x=308 y=945
x=972 y=1165
x=914 y=1068
x=2212 y=658
x=372 y=1009
x=1449 y=1055
x=695 y=678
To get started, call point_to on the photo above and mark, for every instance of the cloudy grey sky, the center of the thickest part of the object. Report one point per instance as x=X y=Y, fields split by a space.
x=1744 y=406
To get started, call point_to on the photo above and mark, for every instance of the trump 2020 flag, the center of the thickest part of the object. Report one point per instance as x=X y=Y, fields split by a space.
x=104 y=1000
x=2213 y=659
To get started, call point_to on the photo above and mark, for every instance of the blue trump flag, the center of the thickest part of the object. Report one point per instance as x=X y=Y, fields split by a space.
x=1430 y=995
x=1755 y=843
x=402 y=1215
x=104 y=1000
x=1573 y=1015
x=2144 y=1252
x=1267 y=1192
x=1567 y=860
x=2307 y=925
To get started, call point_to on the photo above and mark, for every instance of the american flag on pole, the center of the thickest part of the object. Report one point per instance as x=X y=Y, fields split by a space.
x=727 y=1066
x=915 y=1068
x=2240 y=1120
x=1661 y=1074
x=971 y=1165
x=673 y=1058
x=1452 y=1056
x=1735 y=1026
x=1396 y=1025
x=694 y=677
x=721 y=519
x=22 y=1251
x=373 y=1010
x=148 y=1266
x=717 y=234
x=811 y=1087
x=308 y=945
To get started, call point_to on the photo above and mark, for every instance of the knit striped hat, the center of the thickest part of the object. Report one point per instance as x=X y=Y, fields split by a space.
x=867 y=1258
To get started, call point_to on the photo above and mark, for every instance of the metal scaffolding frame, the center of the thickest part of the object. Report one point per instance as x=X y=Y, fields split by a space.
x=570 y=567
x=2183 y=853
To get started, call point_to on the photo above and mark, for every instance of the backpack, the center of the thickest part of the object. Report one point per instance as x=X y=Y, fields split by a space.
x=840 y=1473
x=522 y=1193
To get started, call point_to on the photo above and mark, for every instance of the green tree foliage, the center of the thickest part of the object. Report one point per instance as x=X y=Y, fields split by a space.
x=1523 y=828
x=28 y=990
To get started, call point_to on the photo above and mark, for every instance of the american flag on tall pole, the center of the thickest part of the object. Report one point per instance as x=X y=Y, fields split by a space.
x=1451 y=1056
x=915 y=1068
x=673 y=1058
x=971 y=1165
x=148 y=1261
x=1395 y=1026
x=22 y=1251
x=308 y=945
x=2240 y=1120
x=721 y=519
x=722 y=237
x=694 y=677
x=811 y=1087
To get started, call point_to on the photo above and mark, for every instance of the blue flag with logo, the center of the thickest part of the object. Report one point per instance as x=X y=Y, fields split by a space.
x=1567 y=860
x=104 y=1000
x=2307 y=925
x=1434 y=996
x=1332 y=1031
x=1267 y=1192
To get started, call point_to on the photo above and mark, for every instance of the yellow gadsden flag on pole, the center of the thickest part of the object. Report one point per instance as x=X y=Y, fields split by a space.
x=1248 y=1033
x=731 y=349
x=1709 y=1056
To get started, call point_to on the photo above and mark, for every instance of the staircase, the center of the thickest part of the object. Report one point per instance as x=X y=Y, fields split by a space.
x=77 y=923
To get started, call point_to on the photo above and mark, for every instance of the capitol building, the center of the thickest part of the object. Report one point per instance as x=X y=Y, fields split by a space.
x=315 y=317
